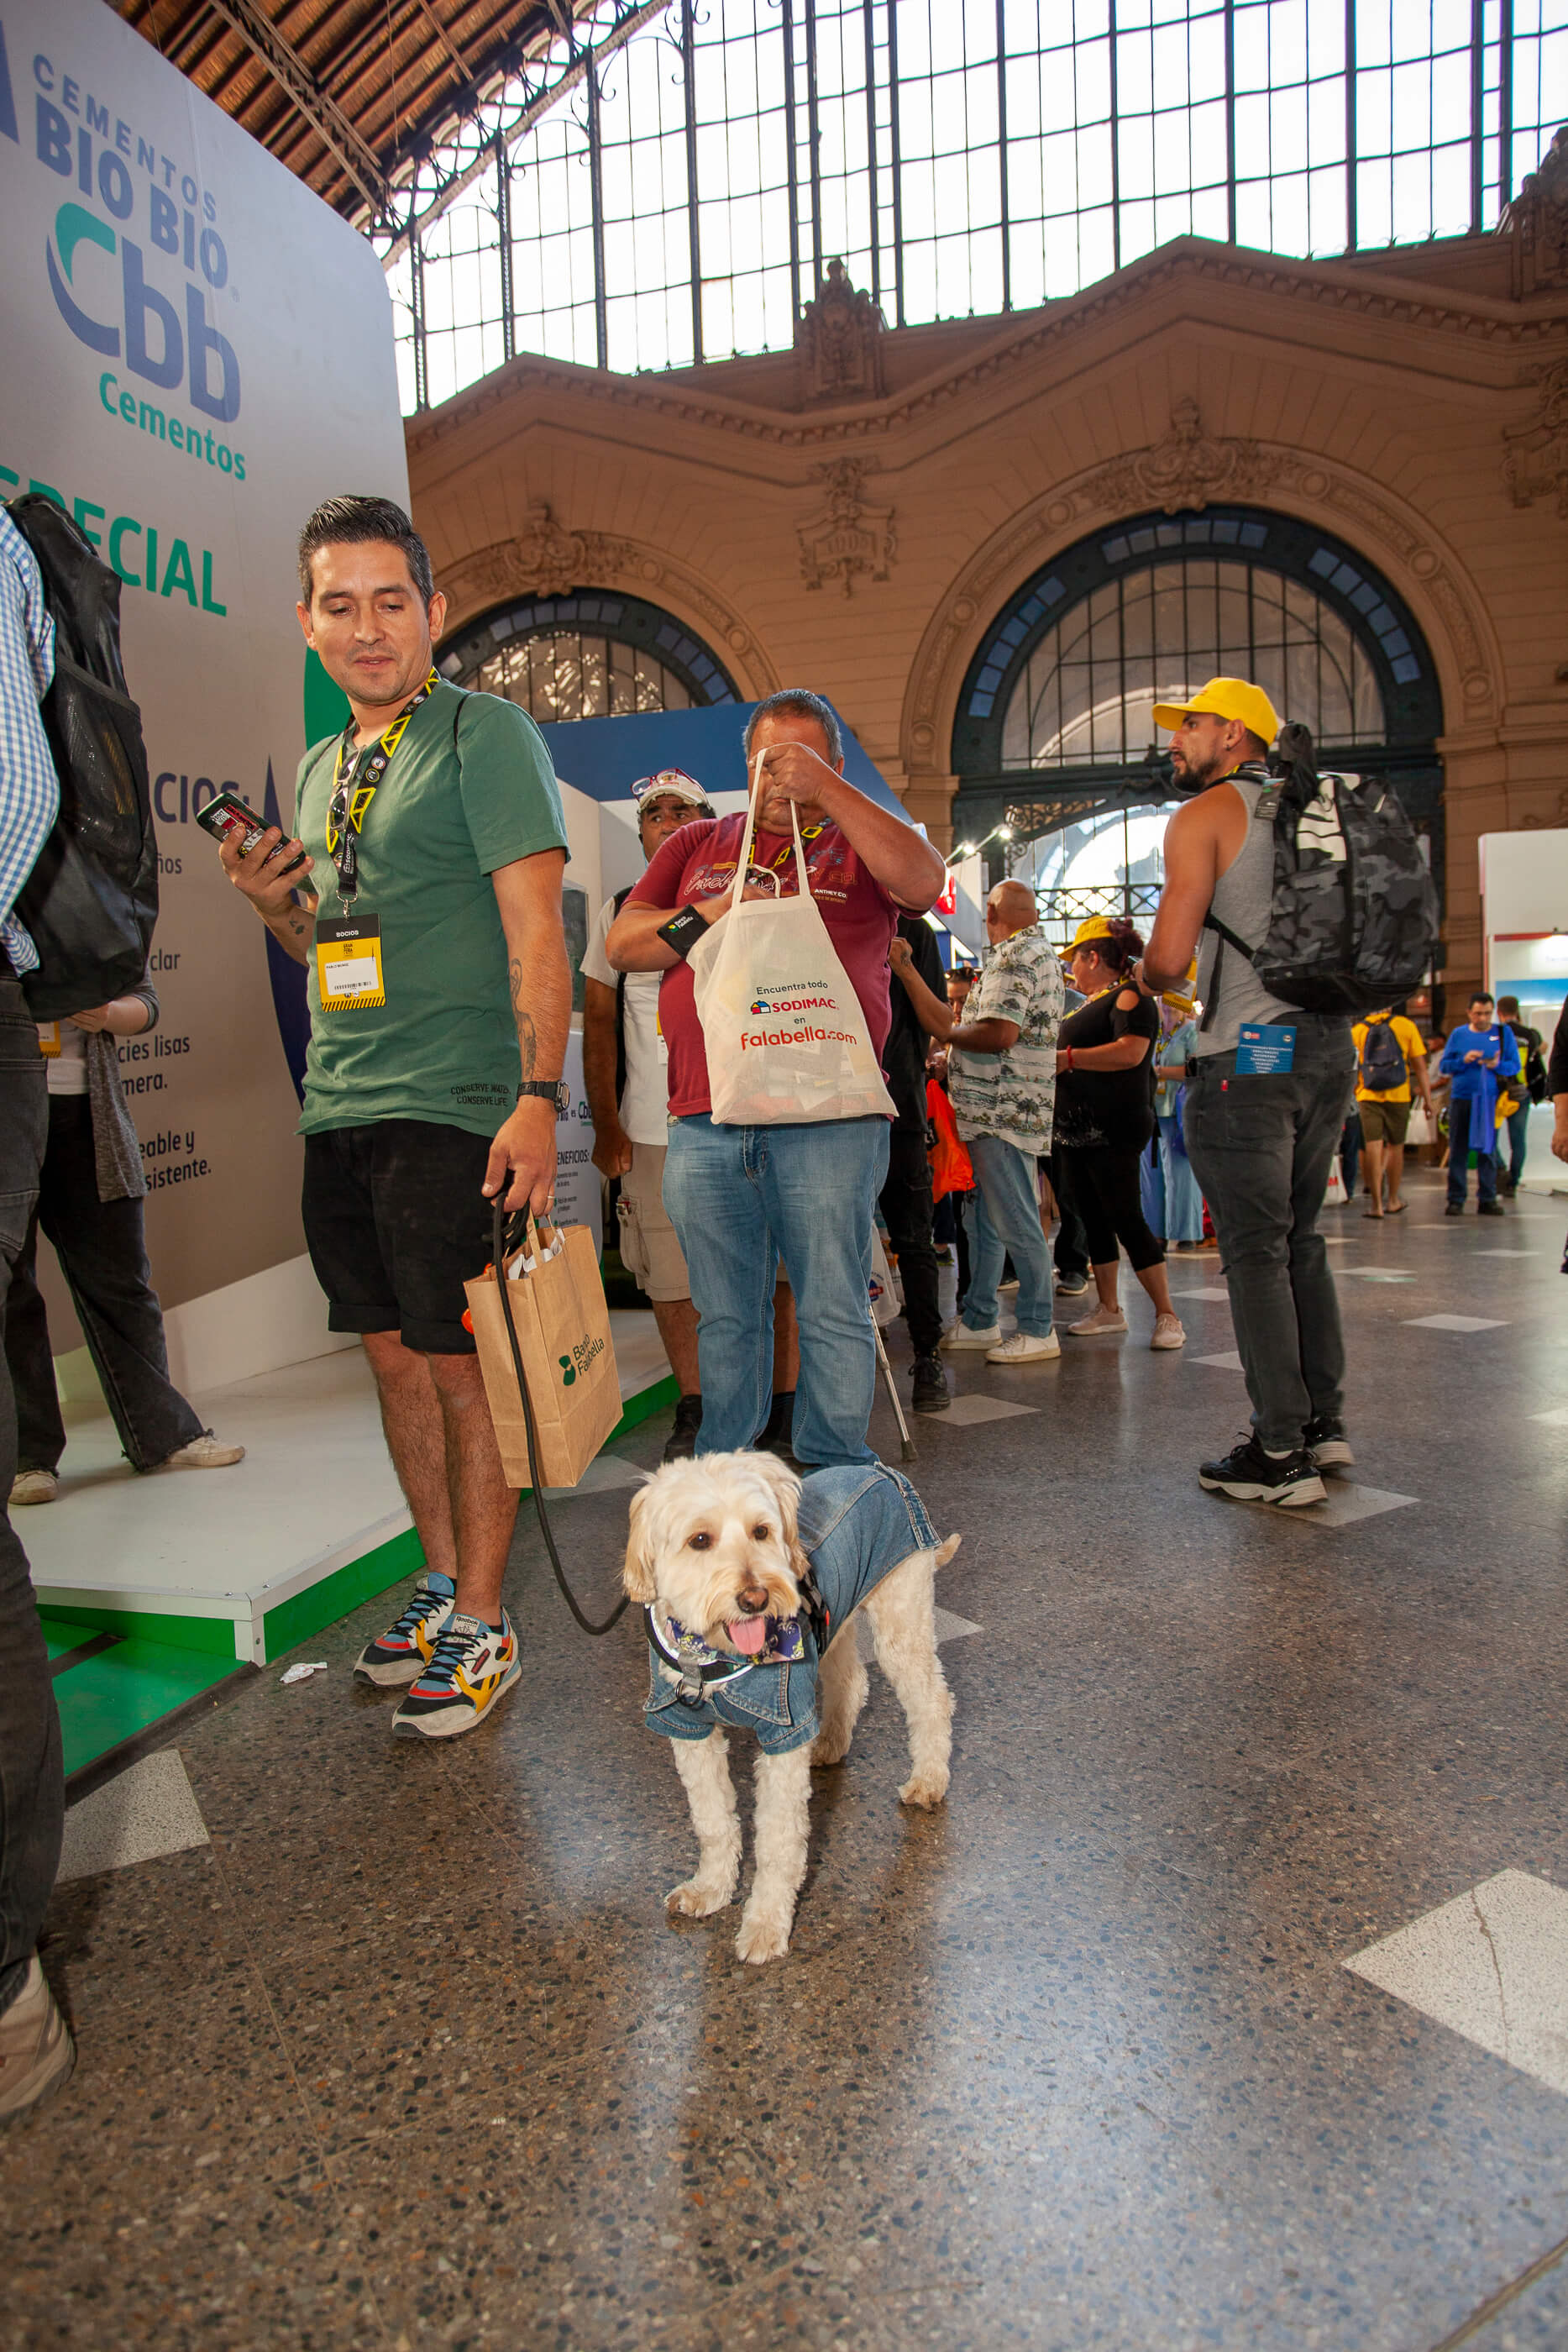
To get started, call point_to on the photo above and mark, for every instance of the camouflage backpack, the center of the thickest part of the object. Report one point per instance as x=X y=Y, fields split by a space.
x=1353 y=922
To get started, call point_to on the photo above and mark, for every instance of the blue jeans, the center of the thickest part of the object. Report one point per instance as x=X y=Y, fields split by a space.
x=1003 y=1217
x=32 y=1780
x=1468 y=1133
x=743 y=1198
x=1260 y=1149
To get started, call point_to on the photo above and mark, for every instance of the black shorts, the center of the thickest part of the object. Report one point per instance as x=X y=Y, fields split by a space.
x=396 y=1223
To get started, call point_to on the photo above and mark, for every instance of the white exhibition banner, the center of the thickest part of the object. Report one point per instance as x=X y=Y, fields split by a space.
x=195 y=350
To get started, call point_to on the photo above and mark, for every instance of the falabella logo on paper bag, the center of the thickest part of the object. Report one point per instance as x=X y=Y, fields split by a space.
x=581 y=1356
x=162 y=338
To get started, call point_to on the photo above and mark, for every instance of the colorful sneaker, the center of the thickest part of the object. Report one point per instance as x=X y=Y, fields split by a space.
x=1254 y=1477
x=472 y=1666
x=398 y=1656
x=37 y=2053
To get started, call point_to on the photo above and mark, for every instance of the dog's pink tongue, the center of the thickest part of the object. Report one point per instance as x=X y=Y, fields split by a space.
x=748 y=1633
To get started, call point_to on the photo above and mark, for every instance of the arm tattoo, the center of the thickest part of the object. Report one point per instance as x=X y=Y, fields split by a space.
x=527 y=1040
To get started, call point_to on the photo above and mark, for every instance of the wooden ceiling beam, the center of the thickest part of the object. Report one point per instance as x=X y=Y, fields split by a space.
x=323 y=112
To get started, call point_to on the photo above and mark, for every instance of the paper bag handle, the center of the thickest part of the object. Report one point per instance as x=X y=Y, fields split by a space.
x=530 y=1427
x=743 y=865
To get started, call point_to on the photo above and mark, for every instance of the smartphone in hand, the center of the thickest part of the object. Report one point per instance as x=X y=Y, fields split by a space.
x=227 y=818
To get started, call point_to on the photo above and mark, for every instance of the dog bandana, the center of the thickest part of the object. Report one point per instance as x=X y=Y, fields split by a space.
x=856 y=1525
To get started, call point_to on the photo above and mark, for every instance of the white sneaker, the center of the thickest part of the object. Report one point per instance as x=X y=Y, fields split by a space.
x=1006 y=1290
x=1168 y=1332
x=1090 y=1327
x=34 y=1487
x=37 y=2053
x=203 y=1453
x=959 y=1335
x=1021 y=1348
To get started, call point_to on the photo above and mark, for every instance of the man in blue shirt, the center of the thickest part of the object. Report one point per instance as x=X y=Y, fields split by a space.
x=1478 y=1058
x=35 y=2049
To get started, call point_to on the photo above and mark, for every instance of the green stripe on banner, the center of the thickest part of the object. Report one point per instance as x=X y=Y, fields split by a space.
x=109 y=1698
x=212 y=1636
x=295 y=1620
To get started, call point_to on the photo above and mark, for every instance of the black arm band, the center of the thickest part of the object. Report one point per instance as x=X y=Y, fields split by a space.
x=682 y=930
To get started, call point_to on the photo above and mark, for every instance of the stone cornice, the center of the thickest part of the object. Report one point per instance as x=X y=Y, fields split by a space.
x=1384 y=302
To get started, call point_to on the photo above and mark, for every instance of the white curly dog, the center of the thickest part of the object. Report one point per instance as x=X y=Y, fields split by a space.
x=732 y=1559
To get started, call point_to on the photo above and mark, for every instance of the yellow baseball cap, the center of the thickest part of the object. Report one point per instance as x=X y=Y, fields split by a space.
x=1092 y=928
x=1226 y=697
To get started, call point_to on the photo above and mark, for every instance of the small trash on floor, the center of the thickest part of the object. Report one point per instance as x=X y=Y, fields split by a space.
x=299 y=1673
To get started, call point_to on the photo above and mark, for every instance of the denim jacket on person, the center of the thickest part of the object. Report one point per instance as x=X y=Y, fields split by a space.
x=857 y=1523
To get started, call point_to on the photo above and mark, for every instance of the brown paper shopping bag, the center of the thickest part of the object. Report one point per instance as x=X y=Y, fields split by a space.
x=562 y=1326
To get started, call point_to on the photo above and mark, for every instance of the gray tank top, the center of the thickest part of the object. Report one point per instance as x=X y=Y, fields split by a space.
x=1243 y=898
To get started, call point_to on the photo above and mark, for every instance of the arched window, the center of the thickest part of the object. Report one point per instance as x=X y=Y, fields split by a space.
x=1054 y=734
x=587 y=655
x=1086 y=694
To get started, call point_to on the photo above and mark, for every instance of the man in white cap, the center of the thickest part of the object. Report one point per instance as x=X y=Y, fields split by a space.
x=625 y=1069
x=1263 y=1115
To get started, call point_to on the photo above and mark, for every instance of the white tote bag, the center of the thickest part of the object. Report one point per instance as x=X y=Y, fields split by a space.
x=787 y=1041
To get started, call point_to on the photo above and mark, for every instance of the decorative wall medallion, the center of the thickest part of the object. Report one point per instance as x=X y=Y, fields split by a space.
x=839 y=339
x=849 y=538
x=1190 y=468
x=1536 y=465
x=543 y=560
x=1547 y=823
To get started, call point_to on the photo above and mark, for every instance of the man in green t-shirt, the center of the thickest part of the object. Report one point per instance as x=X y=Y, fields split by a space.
x=427 y=912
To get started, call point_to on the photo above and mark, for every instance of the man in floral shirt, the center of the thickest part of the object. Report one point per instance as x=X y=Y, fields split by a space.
x=1002 y=1078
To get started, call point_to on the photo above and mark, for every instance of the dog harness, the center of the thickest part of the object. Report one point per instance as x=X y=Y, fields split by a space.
x=856 y=1525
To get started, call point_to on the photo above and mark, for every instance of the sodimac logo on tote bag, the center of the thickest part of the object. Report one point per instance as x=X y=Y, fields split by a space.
x=787 y=1041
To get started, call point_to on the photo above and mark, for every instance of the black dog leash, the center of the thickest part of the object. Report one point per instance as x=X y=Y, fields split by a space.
x=531 y=1427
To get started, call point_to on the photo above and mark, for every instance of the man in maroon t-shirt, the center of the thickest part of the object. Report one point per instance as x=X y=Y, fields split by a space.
x=743 y=1198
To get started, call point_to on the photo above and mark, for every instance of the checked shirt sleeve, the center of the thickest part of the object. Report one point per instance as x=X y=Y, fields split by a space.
x=29 y=790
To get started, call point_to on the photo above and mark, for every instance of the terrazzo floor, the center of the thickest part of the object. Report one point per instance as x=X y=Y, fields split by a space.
x=406 y=2053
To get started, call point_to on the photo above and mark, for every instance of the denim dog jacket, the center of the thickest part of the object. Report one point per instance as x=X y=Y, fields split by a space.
x=856 y=1525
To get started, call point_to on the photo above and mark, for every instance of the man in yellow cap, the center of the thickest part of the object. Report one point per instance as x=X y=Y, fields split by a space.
x=1264 y=1110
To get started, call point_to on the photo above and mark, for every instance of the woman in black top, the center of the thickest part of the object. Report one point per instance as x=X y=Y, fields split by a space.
x=1105 y=1117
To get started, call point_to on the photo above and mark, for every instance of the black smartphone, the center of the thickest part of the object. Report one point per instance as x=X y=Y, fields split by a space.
x=226 y=816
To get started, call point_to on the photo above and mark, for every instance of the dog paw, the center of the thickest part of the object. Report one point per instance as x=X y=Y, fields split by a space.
x=696 y=1901
x=762 y=1938
x=926 y=1790
x=826 y=1750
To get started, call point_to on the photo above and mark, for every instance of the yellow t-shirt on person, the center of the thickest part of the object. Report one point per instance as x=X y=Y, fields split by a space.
x=1411 y=1044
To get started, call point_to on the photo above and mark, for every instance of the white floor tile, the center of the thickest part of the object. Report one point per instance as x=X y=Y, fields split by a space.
x=1493 y=1966
x=1456 y=1322
x=146 y=1811
x=965 y=1412
x=1379 y=1273
x=1231 y=1363
x=1347 y=1503
x=950 y=1628
x=1508 y=1253
x=1223 y=1296
x=1556 y=1419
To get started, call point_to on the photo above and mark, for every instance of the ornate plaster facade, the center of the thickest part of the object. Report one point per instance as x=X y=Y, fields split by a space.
x=1411 y=402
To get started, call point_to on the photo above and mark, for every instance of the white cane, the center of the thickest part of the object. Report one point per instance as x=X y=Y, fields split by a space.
x=906 y=1443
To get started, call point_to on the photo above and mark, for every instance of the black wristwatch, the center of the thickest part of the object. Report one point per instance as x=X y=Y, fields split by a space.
x=553 y=1090
x=682 y=930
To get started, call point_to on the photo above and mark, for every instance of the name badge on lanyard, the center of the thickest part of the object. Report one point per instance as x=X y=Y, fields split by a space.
x=349 y=962
x=1265 y=1049
x=48 y=1039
